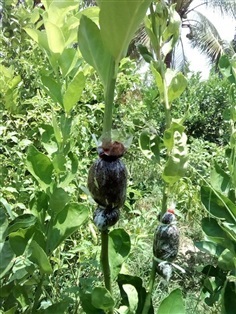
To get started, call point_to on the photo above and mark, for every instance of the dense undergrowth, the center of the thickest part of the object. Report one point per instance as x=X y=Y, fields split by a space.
x=29 y=116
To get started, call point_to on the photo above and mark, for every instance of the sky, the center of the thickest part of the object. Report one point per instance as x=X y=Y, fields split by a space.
x=226 y=28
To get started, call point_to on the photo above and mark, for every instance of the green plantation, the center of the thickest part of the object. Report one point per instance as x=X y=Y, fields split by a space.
x=118 y=188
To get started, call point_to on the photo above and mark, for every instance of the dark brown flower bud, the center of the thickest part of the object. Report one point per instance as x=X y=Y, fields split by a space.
x=104 y=218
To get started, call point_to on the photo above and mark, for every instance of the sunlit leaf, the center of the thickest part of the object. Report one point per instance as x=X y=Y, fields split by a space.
x=173 y=304
x=66 y=222
x=102 y=299
x=74 y=91
x=40 y=166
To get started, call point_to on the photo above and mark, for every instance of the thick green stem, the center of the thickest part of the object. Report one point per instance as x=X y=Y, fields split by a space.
x=105 y=262
x=164 y=199
x=148 y=299
x=107 y=119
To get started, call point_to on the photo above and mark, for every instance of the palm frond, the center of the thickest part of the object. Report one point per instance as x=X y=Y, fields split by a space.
x=205 y=37
x=226 y=7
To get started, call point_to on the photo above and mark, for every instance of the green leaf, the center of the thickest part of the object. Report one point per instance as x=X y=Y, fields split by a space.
x=86 y=303
x=21 y=222
x=175 y=141
x=66 y=222
x=7 y=258
x=227 y=260
x=58 y=200
x=102 y=299
x=137 y=283
x=57 y=308
x=150 y=145
x=93 y=50
x=209 y=247
x=218 y=205
x=132 y=295
x=229 y=298
x=3 y=225
x=215 y=233
x=158 y=80
x=173 y=304
x=37 y=255
x=40 y=37
x=57 y=131
x=56 y=40
x=74 y=91
x=176 y=86
x=220 y=180
x=119 y=20
x=40 y=166
x=119 y=248
x=68 y=60
x=52 y=88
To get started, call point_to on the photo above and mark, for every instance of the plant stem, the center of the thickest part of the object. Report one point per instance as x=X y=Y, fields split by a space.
x=105 y=263
x=107 y=119
x=148 y=299
x=38 y=294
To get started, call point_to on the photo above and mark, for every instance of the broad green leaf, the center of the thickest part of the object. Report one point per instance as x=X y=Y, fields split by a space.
x=230 y=229
x=102 y=299
x=158 y=80
x=37 y=255
x=227 y=260
x=218 y=205
x=220 y=180
x=21 y=222
x=175 y=141
x=137 y=283
x=226 y=68
x=58 y=200
x=40 y=37
x=171 y=133
x=132 y=295
x=57 y=308
x=7 y=258
x=86 y=303
x=52 y=88
x=56 y=40
x=59 y=162
x=173 y=304
x=74 y=91
x=40 y=166
x=209 y=247
x=229 y=298
x=3 y=225
x=57 y=131
x=119 y=21
x=68 y=60
x=66 y=222
x=215 y=233
x=19 y=239
x=150 y=145
x=176 y=86
x=73 y=171
x=119 y=248
x=90 y=12
x=93 y=50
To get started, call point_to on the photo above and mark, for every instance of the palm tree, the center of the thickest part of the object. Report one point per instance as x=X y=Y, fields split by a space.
x=202 y=32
